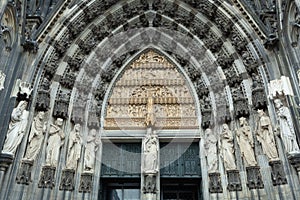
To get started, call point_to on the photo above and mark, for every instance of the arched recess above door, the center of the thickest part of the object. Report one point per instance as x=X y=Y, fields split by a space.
x=151 y=90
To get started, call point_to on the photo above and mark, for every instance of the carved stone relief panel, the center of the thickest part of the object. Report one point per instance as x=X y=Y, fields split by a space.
x=151 y=76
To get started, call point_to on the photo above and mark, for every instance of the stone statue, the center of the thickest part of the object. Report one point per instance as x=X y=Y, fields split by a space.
x=16 y=130
x=150 y=118
x=2 y=80
x=210 y=145
x=245 y=141
x=55 y=141
x=287 y=131
x=150 y=146
x=265 y=135
x=91 y=148
x=227 y=148
x=74 y=148
x=36 y=136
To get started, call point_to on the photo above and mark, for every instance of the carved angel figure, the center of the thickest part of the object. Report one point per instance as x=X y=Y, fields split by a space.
x=16 y=130
x=36 y=136
x=210 y=145
x=91 y=148
x=55 y=141
x=265 y=135
x=227 y=148
x=245 y=141
x=287 y=131
x=74 y=148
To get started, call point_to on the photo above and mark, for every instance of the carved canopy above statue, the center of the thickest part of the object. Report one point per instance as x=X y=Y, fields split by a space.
x=151 y=86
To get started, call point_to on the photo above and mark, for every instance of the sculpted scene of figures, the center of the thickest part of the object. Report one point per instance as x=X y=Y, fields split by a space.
x=36 y=136
x=265 y=136
x=246 y=143
x=210 y=146
x=227 y=148
x=74 y=147
x=287 y=131
x=150 y=146
x=91 y=147
x=16 y=130
x=55 y=142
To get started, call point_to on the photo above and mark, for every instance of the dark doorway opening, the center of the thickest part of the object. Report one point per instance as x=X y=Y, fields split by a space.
x=180 y=189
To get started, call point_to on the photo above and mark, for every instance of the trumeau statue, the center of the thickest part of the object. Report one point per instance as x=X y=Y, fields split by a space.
x=55 y=141
x=16 y=130
x=210 y=145
x=36 y=136
x=91 y=148
x=74 y=148
x=265 y=135
x=287 y=131
x=245 y=141
x=227 y=148
x=150 y=146
x=2 y=80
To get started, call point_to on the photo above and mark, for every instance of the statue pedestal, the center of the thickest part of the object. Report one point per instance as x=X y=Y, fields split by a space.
x=86 y=182
x=294 y=159
x=149 y=196
x=24 y=174
x=6 y=160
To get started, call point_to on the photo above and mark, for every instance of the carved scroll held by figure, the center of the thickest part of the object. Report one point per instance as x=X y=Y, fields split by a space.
x=36 y=136
x=150 y=117
x=210 y=145
x=16 y=130
x=2 y=80
x=150 y=146
x=74 y=148
x=55 y=142
x=91 y=148
x=265 y=136
x=245 y=141
x=227 y=148
x=287 y=131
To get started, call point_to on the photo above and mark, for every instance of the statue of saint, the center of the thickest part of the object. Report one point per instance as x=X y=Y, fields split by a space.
x=150 y=118
x=150 y=146
x=16 y=130
x=227 y=148
x=245 y=141
x=210 y=146
x=55 y=141
x=74 y=148
x=265 y=135
x=91 y=148
x=36 y=136
x=287 y=131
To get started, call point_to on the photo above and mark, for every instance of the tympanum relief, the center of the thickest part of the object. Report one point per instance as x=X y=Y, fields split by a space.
x=151 y=78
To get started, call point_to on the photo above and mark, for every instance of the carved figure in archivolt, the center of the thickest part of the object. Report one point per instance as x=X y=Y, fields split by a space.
x=210 y=145
x=265 y=135
x=150 y=146
x=245 y=141
x=55 y=141
x=36 y=136
x=150 y=118
x=74 y=148
x=227 y=148
x=287 y=131
x=16 y=130
x=2 y=80
x=91 y=147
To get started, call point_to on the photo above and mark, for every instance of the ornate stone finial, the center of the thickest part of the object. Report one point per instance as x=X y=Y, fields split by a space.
x=2 y=80
x=25 y=89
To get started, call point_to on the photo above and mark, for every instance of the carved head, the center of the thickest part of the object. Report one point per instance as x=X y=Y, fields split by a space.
x=278 y=103
x=77 y=127
x=59 y=121
x=260 y=112
x=22 y=105
x=225 y=127
x=243 y=121
x=41 y=114
x=93 y=132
